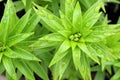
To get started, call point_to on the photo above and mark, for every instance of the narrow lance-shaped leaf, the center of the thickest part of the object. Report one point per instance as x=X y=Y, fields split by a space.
x=84 y=67
x=92 y=15
x=65 y=21
x=60 y=67
x=8 y=64
x=5 y=23
x=24 y=69
x=20 y=53
x=43 y=44
x=17 y=38
x=76 y=53
x=84 y=48
x=51 y=22
x=38 y=69
x=53 y=37
x=20 y=25
x=33 y=21
x=77 y=17
x=62 y=51
x=69 y=6
x=64 y=64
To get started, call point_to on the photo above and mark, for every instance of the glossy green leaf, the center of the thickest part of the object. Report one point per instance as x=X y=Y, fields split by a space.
x=61 y=52
x=33 y=21
x=52 y=22
x=91 y=16
x=53 y=37
x=8 y=64
x=20 y=25
x=69 y=6
x=20 y=53
x=76 y=53
x=60 y=67
x=43 y=44
x=17 y=38
x=84 y=67
x=65 y=21
x=38 y=69
x=84 y=48
x=24 y=69
x=77 y=17
x=5 y=23
x=18 y=5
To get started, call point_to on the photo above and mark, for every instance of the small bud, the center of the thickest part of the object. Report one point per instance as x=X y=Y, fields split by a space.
x=76 y=39
x=71 y=37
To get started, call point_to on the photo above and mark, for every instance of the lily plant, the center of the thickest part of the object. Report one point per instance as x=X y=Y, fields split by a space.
x=17 y=60
x=77 y=36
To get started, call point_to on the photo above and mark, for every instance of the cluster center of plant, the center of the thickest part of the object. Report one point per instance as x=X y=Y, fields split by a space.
x=75 y=37
x=2 y=47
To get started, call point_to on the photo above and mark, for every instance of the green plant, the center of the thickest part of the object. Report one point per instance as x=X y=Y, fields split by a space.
x=14 y=40
x=76 y=36
x=71 y=38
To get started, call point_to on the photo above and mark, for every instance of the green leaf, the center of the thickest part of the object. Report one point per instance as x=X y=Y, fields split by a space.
x=43 y=44
x=1 y=55
x=8 y=77
x=2 y=69
x=84 y=48
x=24 y=2
x=60 y=67
x=18 y=5
x=8 y=64
x=17 y=38
x=33 y=21
x=53 y=37
x=5 y=23
x=77 y=17
x=55 y=7
x=100 y=76
x=51 y=22
x=84 y=67
x=20 y=25
x=116 y=76
x=38 y=69
x=117 y=64
x=24 y=69
x=61 y=52
x=8 y=20
x=91 y=16
x=76 y=53
x=65 y=21
x=20 y=53
x=69 y=6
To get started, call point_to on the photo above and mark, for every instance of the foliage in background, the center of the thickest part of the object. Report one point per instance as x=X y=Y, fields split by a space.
x=72 y=38
x=14 y=33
